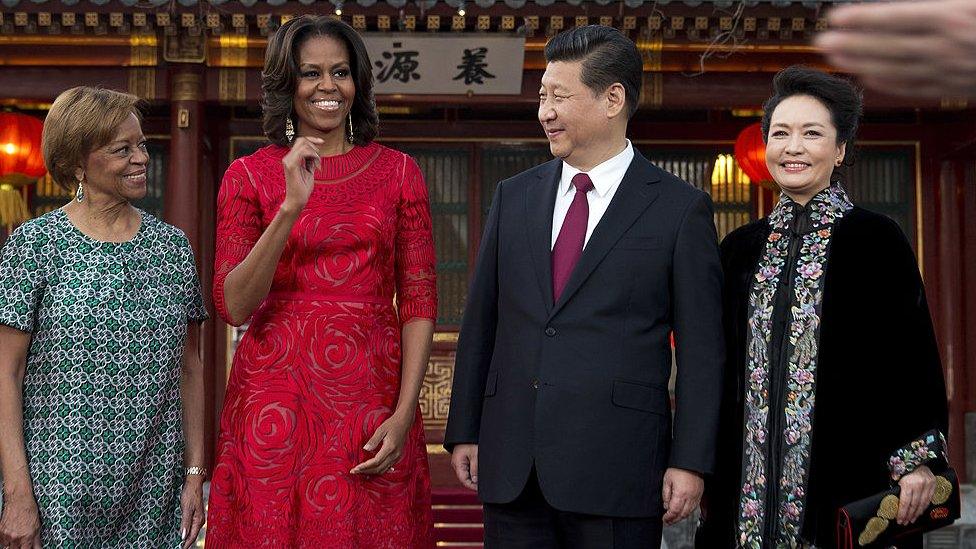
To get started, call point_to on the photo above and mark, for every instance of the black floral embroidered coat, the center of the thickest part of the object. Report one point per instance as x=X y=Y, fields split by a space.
x=879 y=385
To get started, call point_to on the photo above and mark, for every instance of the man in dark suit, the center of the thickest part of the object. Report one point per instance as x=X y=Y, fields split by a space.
x=560 y=413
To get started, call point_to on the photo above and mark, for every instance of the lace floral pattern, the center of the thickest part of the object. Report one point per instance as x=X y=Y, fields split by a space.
x=802 y=349
x=318 y=370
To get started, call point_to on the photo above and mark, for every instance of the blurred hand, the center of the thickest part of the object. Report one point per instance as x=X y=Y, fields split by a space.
x=464 y=458
x=681 y=494
x=917 y=489
x=923 y=48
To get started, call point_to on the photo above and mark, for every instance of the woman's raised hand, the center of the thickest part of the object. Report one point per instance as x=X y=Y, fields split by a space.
x=300 y=164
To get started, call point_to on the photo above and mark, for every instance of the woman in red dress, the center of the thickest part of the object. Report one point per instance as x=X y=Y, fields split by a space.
x=321 y=443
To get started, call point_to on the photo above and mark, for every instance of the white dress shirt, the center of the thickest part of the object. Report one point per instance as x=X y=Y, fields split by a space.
x=606 y=177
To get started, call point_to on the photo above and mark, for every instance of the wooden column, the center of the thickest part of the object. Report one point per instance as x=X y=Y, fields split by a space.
x=182 y=206
x=951 y=333
x=968 y=207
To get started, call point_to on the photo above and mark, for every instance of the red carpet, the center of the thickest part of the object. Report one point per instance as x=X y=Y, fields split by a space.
x=457 y=518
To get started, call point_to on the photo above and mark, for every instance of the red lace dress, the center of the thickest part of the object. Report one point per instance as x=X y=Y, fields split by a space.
x=319 y=367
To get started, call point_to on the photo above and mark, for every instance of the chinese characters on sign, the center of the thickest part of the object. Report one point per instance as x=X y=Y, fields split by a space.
x=399 y=65
x=446 y=65
x=473 y=67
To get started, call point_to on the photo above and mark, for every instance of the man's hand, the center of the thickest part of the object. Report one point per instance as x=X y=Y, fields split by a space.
x=682 y=493
x=464 y=458
x=925 y=48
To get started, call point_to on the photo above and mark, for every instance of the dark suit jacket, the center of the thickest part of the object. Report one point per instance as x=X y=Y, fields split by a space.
x=580 y=386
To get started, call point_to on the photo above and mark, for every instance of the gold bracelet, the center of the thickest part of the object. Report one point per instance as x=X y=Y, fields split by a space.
x=196 y=471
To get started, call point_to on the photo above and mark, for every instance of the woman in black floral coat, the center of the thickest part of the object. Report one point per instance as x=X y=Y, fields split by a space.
x=834 y=389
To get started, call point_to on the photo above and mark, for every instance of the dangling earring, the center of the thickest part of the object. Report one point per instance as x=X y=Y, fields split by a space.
x=80 y=193
x=289 y=130
x=351 y=137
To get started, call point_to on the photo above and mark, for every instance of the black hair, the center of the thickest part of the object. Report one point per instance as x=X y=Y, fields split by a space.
x=608 y=57
x=841 y=97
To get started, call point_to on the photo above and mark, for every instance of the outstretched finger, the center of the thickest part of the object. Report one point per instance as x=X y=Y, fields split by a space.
x=878 y=46
x=195 y=526
x=375 y=465
x=375 y=440
x=185 y=522
x=907 y=508
x=907 y=17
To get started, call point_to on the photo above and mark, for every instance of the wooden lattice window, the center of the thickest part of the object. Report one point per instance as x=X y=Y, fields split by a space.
x=447 y=173
x=883 y=181
x=713 y=170
x=501 y=161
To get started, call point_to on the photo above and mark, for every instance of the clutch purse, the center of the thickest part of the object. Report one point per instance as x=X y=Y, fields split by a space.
x=871 y=523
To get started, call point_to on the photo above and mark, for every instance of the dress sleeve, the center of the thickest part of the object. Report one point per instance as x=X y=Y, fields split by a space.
x=22 y=280
x=914 y=371
x=928 y=449
x=416 y=275
x=193 y=298
x=239 y=226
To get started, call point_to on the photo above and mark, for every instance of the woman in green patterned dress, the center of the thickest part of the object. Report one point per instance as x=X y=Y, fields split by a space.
x=101 y=392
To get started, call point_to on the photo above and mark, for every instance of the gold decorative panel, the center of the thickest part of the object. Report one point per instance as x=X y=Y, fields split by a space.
x=651 y=92
x=185 y=48
x=187 y=87
x=233 y=50
x=143 y=48
x=142 y=82
x=232 y=85
x=435 y=394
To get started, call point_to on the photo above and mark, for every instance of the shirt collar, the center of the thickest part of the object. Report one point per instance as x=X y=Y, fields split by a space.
x=605 y=175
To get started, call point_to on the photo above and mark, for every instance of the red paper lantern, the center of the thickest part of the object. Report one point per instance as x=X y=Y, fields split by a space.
x=20 y=146
x=750 y=154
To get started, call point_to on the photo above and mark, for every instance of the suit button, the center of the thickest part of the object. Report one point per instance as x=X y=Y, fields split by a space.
x=550 y=331
x=535 y=383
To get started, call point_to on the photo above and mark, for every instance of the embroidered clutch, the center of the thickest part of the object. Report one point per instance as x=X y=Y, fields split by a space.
x=871 y=523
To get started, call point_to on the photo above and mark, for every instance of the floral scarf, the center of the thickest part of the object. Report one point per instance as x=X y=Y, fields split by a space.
x=801 y=343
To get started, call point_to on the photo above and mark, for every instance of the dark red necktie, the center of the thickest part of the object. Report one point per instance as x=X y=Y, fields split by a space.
x=572 y=235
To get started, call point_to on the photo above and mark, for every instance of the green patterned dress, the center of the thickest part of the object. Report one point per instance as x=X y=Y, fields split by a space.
x=102 y=409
